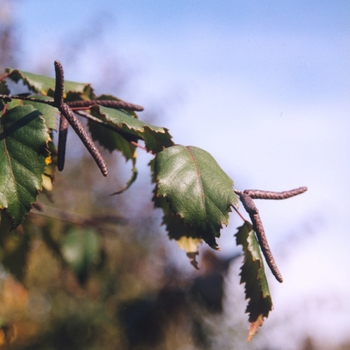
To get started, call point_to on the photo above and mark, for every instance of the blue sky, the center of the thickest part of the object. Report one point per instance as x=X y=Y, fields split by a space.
x=263 y=86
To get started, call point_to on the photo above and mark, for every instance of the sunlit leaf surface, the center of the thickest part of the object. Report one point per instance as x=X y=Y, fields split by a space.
x=46 y=85
x=195 y=194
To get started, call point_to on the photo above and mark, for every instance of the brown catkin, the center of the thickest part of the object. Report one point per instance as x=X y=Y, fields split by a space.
x=259 y=194
x=106 y=103
x=84 y=137
x=265 y=248
x=59 y=84
x=68 y=114
x=62 y=141
x=258 y=227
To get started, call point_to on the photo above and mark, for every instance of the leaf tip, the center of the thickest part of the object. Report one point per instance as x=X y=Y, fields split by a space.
x=192 y=256
x=190 y=244
x=254 y=326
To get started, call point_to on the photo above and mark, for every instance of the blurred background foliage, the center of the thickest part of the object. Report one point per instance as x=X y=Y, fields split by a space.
x=91 y=271
x=87 y=277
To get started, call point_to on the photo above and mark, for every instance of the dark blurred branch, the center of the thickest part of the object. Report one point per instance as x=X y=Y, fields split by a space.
x=75 y=218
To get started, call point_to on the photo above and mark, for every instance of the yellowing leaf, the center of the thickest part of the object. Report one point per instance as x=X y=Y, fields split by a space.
x=189 y=244
x=254 y=326
x=47 y=183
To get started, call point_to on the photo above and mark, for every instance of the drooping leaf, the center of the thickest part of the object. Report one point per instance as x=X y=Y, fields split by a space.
x=155 y=138
x=23 y=157
x=81 y=249
x=195 y=194
x=46 y=85
x=253 y=276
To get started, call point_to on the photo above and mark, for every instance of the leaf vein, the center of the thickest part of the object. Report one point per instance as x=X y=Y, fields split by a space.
x=200 y=183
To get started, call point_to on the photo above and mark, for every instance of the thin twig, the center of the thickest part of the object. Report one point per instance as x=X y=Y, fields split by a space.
x=239 y=213
x=79 y=104
x=76 y=218
x=4 y=110
x=139 y=146
x=5 y=76
x=26 y=98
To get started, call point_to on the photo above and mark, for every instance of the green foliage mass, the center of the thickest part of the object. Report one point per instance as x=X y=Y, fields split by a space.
x=193 y=191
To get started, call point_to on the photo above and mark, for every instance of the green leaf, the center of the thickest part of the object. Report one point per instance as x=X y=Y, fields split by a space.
x=253 y=275
x=14 y=103
x=46 y=86
x=81 y=249
x=186 y=237
x=195 y=194
x=155 y=138
x=110 y=139
x=48 y=112
x=23 y=156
